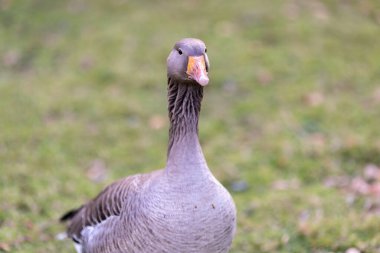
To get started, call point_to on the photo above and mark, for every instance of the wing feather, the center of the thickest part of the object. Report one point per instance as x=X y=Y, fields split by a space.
x=108 y=203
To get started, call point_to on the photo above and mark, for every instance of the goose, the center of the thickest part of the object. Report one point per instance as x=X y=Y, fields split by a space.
x=181 y=208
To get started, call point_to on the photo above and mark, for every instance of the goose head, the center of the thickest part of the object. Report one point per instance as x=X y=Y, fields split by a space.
x=188 y=62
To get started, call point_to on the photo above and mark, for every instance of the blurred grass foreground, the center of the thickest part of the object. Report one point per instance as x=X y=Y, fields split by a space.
x=290 y=121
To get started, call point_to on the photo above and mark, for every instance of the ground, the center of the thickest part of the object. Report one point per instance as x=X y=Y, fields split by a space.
x=289 y=123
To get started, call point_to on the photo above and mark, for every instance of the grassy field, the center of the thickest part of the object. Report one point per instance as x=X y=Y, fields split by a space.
x=290 y=121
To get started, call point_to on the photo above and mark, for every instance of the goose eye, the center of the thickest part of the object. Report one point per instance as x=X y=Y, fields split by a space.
x=180 y=51
x=205 y=50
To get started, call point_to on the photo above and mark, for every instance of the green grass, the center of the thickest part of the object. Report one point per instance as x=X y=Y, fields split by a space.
x=292 y=97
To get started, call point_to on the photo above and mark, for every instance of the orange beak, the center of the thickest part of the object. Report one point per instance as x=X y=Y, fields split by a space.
x=196 y=69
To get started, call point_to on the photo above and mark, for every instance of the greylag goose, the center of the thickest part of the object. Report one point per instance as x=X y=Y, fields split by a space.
x=181 y=208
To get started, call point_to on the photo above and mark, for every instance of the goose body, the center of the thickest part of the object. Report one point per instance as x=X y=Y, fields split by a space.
x=181 y=208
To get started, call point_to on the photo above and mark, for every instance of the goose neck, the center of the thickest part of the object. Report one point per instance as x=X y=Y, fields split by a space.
x=184 y=105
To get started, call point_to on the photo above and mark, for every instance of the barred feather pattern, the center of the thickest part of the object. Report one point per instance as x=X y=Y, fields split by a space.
x=160 y=215
x=108 y=203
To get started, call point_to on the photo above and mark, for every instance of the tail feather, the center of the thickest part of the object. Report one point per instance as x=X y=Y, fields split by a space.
x=70 y=214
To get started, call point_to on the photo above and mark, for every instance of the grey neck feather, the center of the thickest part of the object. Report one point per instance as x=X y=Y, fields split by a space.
x=184 y=105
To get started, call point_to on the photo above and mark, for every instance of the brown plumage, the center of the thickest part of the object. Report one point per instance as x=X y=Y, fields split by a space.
x=181 y=208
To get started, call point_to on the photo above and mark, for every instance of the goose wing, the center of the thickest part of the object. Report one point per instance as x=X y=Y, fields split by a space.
x=107 y=204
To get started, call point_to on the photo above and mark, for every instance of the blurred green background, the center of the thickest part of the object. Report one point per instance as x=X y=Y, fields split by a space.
x=290 y=123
